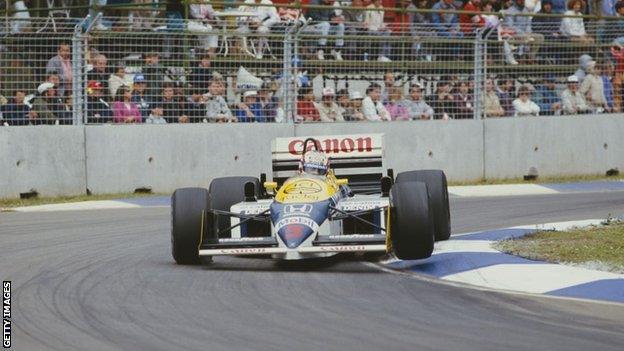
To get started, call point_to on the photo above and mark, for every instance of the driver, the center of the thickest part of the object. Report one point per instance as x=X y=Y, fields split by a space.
x=314 y=163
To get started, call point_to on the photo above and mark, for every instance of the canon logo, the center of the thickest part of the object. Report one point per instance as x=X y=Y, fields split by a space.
x=335 y=146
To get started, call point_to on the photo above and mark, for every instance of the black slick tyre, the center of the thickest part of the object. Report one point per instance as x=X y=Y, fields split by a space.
x=187 y=208
x=438 y=190
x=411 y=221
x=225 y=192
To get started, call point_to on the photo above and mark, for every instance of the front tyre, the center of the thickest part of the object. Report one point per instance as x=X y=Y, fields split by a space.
x=411 y=221
x=188 y=206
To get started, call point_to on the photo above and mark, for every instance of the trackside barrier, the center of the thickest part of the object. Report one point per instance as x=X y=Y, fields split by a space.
x=68 y=160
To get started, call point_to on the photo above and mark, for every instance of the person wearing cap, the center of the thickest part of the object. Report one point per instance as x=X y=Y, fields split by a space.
x=249 y=110
x=372 y=107
x=523 y=106
x=328 y=109
x=124 y=110
x=572 y=100
x=98 y=109
x=217 y=108
x=139 y=95
x=593 y=89
x=417 y=108
x=353 y=113
x=46 y=107
x=118 y=79
x=546 y=97
x=490 y=102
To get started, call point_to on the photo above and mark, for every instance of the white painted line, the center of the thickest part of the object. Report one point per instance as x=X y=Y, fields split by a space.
x=463 y=246
x=532 y=278
x=78 y=206
x=500 y=190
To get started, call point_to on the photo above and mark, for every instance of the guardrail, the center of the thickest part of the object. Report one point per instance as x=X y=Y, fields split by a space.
x=303 y=68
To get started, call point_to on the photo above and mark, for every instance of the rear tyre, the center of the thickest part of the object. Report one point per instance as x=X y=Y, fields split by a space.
x=411 y=221
x=225 y=192
x=438 y=190
x=187 y=206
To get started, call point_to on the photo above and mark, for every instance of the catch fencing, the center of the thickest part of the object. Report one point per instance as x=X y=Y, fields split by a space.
x=308 y=64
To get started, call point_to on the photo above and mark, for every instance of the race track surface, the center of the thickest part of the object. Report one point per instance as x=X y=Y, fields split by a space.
x=105 y=280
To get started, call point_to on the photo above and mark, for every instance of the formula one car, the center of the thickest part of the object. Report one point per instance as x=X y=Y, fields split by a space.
x=312 y=212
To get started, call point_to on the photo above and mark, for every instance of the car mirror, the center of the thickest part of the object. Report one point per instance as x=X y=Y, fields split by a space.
x=270 y=186
x=342 y=181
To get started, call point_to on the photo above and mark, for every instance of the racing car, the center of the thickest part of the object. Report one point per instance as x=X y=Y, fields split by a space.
x=313 y=212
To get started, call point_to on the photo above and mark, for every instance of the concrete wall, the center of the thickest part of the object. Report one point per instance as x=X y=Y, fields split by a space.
x=54 y=160
x=553 y=145
x=47 y=159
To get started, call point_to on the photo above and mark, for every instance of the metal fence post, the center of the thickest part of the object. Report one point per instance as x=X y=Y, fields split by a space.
x=479 y=71
x=78 y=71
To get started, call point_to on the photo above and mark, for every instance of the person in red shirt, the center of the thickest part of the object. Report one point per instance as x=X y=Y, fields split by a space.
x=468 y=23
x=306 y=111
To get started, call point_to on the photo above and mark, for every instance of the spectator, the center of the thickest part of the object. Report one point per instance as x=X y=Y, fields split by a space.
x=217 y=108
x=325 y=22
x=617 y=51
x=265 y=17
x=196 y=106
x=447 y=24
x=519 y=24
x=201 y=74
x=607 y=84
x=372 y=107
x=203 y=18
x=572 y=100
x=470 y=22
x=46 y=107
x=15 y=112
x=417 y=108
x=444 y=103
x=20 y=20
x=374 y=21
x=505 y=95
x=249 y=110
x=342 y=99
x=420 y=26
x=306 y=111
x=396 y=106
x=593 y=90
x=124 y=110
x=580 y=73
x=328 y=110
x=523 y=106
x=174 y=108
x=139 y=97
x=66 y=115
x=389 y=83
x=547 y=25
x=546 y=97
x=573 y=27
x=98 y=110
x=118 y=79
x=268 y=103
x=463 y=98
x=354 y=112
x=100 y=72
x=559 y=6
x=153 y=72
x=61 y=65
x=490 y=102
x=354 y=25
x=156 y=116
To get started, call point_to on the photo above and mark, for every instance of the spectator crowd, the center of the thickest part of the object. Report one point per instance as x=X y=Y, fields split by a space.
x=155 y=93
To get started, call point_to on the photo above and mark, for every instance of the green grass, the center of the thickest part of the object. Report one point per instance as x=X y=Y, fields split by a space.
x=604 y=244
x=11 y=203
x=539 y=180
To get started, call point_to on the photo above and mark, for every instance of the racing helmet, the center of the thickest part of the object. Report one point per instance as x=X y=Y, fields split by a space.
x=314 y=162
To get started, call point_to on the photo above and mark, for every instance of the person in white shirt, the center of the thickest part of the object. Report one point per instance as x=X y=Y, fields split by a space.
x=327 y=108
x=572 y=100
x=374 y=21
x=203 y=17
x=592 y=89
x=573 y=27
x=523 y=106
x=264 y=18
x=372 y=107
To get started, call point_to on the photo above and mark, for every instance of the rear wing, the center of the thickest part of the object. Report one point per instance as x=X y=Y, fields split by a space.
x=358 y=158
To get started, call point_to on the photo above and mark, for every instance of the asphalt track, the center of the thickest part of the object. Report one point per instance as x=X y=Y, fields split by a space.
x=105 y=280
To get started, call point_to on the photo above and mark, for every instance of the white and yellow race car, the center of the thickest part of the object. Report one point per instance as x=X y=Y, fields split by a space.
x=309 y=211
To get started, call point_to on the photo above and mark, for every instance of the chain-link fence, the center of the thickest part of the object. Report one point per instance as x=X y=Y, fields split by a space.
x=259 y=62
